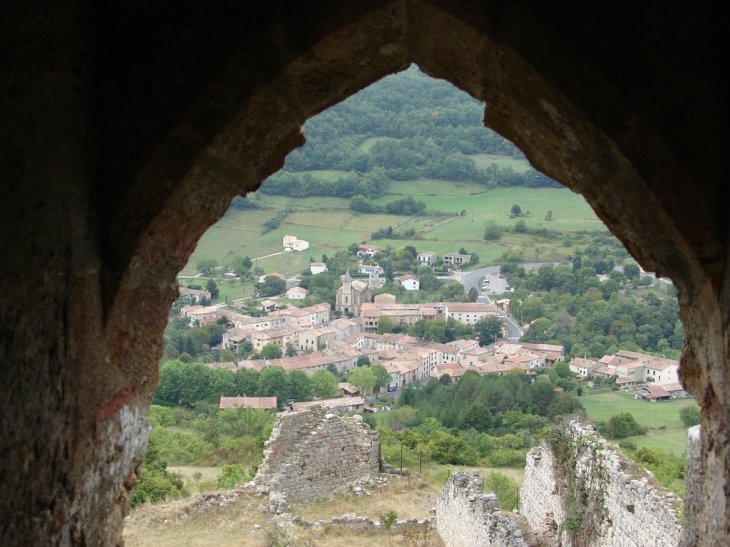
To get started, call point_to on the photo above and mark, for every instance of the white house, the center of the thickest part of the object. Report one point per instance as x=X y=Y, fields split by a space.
x=291 y=242
x=368 y=250
x=409 y=282
x=300 y=245
x=372 y=269
x=288 y=241
x=317 y=267
x=296 y=293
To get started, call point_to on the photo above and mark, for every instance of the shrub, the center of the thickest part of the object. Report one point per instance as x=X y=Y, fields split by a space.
x=690 y=415
x=233 y=475
x=506 y=489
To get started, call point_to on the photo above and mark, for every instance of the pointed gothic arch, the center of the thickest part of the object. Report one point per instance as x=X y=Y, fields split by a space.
x=195 y=106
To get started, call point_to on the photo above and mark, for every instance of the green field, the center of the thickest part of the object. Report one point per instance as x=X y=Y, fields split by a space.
x=328 y=224
x=654 y=415
x=485 y=160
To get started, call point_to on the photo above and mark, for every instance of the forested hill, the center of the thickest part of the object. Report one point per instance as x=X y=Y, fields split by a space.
x=405 y=127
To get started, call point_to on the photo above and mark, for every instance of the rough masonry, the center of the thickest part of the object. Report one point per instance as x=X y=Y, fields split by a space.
x=465 y=517
x=119 y=149
x=638 y=512
x=313 y=453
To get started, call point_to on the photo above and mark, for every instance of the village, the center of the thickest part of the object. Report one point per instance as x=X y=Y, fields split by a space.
x=318 y=337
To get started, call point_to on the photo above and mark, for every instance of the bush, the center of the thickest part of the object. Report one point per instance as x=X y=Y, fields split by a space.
x=156 y=483
x=505 y=488
x=620 y=426
x=690 y=415
x=452 y=450
x=233 y=475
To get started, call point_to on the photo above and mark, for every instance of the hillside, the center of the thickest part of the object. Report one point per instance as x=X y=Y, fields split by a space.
x=406 y=135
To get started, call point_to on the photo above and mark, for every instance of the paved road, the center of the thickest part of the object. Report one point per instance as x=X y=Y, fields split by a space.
x=497 y=286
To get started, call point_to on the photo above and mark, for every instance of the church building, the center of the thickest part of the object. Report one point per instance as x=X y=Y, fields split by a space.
x=351 y=295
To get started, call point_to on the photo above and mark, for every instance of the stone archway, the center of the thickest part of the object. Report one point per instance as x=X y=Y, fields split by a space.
x=193 y=106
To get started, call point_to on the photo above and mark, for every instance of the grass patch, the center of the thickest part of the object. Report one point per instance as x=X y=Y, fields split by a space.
x=327 y=223
x=181 y=523
x=673 y=438
x=503 y=162
x=673 y=441
x=604 y=405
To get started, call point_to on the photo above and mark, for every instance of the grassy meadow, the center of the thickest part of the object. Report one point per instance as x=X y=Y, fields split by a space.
x=654 y=415
x=328 y=224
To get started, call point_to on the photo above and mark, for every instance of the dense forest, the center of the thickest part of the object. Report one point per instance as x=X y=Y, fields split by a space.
x=422 y=128
x=569 y=306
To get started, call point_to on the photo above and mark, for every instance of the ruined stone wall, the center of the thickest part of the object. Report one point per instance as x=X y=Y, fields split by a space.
x=466 y=517
x=312 y=453
x=637 y=512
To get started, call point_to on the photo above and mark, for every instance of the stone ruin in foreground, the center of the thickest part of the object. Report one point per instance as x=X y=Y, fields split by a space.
x=313 y=454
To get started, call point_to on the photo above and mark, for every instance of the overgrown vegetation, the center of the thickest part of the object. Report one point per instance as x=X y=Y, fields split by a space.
x=569 y=306
x=490 y=421
x=580 y=478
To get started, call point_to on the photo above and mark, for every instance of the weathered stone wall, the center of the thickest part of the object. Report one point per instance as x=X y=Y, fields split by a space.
x=119 y=149
x=637 y=513
x=312 y=453
x=465 y=517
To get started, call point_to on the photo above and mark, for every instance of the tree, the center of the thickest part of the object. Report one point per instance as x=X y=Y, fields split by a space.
x=477 y=417
x=382 y=378
x=362 y=378
x=631 y=271
x=291 y=351
x=270 y=351
x=563 y=369
x=516 y=210
x=623 y=425
x=690 y=415
x=488 y=328
x=272 y=286
x=363 y=360
x=273 y=382
x=324 y=384
x=212 y=287
x=300 y=385
x=549 y=215
x=473 y=295
x=385 y=325
x=493 y=231
x=207 y=265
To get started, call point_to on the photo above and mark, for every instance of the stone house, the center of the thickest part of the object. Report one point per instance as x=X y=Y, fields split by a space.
x=316 y=339
x=428 y=258
x=457 y=260
x=454 y=370
x=653 y=394
x=296 y=293
x=269 y=305
x=278 y=336
x=583 y=366
x=384 y=298
x=196 y=295
x=469 y=313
